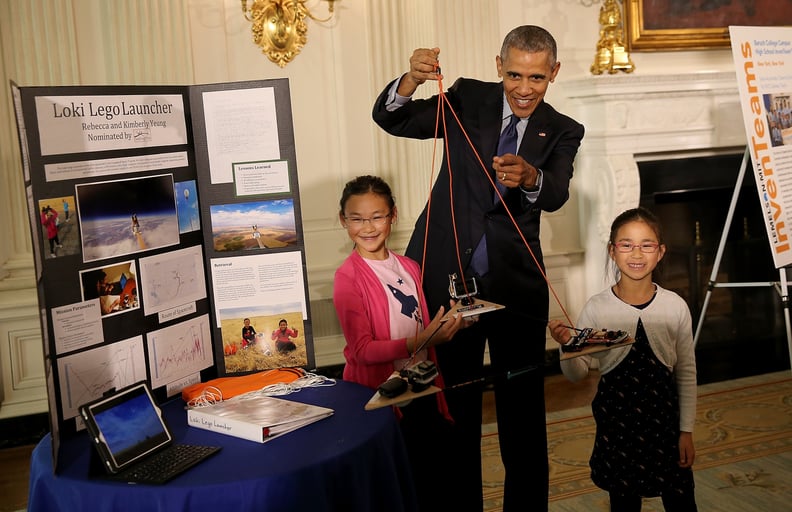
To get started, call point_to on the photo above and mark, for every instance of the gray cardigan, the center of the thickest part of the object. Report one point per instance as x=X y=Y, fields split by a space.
x=669 y=328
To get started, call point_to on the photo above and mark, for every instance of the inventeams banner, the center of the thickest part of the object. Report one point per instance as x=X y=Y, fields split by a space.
x=763 y=62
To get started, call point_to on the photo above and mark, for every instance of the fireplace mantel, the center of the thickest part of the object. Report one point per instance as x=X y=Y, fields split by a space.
x=630 y=118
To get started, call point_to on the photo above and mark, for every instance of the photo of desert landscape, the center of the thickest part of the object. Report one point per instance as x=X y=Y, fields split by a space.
x=257 y=225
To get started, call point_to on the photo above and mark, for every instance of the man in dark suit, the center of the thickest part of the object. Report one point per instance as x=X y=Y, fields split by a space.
x=536 y=178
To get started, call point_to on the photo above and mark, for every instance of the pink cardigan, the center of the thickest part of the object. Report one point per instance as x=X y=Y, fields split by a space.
x=362 y=308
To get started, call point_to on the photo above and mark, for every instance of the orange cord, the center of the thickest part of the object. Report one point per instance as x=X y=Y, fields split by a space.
x=442 y=101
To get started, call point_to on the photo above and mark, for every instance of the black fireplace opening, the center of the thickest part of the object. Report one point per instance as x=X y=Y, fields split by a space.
x=743 y=331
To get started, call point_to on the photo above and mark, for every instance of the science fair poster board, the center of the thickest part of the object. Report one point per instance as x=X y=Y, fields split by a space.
x=763 y=63
x=163 y=218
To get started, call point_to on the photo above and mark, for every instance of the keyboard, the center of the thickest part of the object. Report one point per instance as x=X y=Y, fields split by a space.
x=167 y=464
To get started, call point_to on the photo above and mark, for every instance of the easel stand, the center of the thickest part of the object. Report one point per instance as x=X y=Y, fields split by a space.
x=780 y=285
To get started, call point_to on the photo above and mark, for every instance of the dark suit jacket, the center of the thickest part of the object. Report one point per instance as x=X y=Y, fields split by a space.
x=550 y=143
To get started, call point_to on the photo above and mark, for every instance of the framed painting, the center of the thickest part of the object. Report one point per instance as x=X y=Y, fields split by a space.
x=668 y=25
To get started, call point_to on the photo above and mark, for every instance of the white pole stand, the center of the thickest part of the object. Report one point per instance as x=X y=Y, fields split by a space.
x=781 y=285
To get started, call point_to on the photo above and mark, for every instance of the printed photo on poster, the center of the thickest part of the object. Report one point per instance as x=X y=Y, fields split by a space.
x=259 y=338
x=58 y=226
x=187 y=206
x=115 y=286
x=127 y=216
x=779 y=117
x=255 y=225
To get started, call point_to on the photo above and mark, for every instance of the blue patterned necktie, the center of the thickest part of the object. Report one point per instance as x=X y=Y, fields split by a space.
x=507 y=143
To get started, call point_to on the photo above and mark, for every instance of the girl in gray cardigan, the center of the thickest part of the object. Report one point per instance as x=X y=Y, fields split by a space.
x=645 y=405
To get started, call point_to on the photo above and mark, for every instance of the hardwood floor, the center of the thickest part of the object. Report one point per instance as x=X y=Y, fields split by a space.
x=14 y=475
x=560 y=394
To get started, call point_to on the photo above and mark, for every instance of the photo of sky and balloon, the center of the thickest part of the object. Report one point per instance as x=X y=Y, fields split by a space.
x=127 y=216
x=187 y=206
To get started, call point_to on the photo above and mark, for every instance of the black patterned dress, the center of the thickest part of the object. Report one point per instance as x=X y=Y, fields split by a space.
x=636 y=449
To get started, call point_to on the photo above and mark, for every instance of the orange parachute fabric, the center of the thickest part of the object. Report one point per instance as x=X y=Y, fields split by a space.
x=228 y=387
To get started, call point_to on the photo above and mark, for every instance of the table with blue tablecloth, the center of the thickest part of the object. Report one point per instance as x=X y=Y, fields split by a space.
x=355 y=460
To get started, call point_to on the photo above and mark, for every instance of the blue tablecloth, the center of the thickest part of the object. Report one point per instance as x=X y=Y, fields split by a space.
x=354 y=460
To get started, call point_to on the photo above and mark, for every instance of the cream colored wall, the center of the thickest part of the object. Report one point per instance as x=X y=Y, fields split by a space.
x=333 y=83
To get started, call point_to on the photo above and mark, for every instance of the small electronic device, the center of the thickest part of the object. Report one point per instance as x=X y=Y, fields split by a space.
x=462 y=290
x=420 y=376
x=393 y=387
x=589 y=337
x=133 y=441
x=405 y=385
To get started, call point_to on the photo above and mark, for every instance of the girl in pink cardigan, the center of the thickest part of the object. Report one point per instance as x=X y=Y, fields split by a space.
x=383 y=314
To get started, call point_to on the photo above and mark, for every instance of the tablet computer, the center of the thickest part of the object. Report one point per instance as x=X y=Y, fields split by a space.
x=132 y=439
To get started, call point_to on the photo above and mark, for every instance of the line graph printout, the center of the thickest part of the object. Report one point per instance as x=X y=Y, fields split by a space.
x=180 y=350
x=87 y=375
x=172 y=279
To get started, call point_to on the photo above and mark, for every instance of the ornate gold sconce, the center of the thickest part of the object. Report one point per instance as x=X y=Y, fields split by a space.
x=611 y=54
x=279 y=26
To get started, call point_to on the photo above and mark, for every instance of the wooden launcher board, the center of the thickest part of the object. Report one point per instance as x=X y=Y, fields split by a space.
x=378 y=401
x=598 y=347
x=479 y=306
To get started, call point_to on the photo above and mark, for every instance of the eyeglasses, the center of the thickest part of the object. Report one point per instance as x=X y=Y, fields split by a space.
x=358 y=222
x=645 y=247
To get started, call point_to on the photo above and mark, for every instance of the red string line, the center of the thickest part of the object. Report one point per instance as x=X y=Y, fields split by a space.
x=442 y=102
